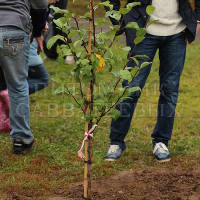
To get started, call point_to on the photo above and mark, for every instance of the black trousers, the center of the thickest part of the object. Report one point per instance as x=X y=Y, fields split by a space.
x=53 y=30
x=2 y=81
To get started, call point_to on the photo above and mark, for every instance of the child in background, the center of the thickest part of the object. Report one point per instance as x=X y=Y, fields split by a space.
x=53 y=30
x=38 y=77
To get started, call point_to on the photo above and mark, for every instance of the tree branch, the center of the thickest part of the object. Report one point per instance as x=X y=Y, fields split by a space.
x=78 y=27
x=111 y=107
x=75 y=99
x=104 y=112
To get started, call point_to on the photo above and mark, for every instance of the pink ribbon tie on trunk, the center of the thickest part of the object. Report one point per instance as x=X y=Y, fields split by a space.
x=86 y=137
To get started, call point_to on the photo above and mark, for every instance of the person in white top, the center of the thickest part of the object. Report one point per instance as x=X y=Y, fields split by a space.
x=167 y=20
x=174 y=23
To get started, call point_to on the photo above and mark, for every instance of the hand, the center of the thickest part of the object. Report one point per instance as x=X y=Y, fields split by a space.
x=46 y=28
x=40 y=44
x=198 y=28
x=197 y=31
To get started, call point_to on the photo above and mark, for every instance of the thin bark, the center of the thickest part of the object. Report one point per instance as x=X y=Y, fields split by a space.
x=75 y=99
x=88 y=124
x=78 y=27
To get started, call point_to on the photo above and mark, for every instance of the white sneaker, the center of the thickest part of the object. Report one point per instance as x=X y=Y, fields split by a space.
x=161 y=152
x=114 y=152
x=69 y=60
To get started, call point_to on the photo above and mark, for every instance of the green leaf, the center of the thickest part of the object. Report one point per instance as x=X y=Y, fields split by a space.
x=138 y=39
x=150 y=9
x=135 y=71
x=78 y=55
x=87 y=70
x=141 y=32
x=126 y=49
x=140 y=35
x=141 y=56
x=132 y=25
x=116 y=74
x=96 y=7
x=95 y=61
x=66 y=52
x=135 y=60
x=124 y=11
x=125 y=74
x=59 y=11
x=134 y=89
x=60 y=22
x=72 y=33
x=133 y=4
x=84 y=61
x=145 y=64
x=77 y=74
x=129 y=7
x=86 y=78
x=77 y=43
x=53 y=40
x=114 y=14
x=107 y=4
x=115 y=114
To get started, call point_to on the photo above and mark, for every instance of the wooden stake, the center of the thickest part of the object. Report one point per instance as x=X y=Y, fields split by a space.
x=88 y=125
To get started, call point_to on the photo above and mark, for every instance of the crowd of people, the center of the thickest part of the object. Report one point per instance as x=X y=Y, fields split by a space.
x=22 y=70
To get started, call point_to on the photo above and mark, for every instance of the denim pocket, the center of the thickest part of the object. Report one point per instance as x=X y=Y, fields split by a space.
x=13 y=46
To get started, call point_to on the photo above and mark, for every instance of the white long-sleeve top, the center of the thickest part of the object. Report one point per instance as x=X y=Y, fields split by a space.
x=167 y=18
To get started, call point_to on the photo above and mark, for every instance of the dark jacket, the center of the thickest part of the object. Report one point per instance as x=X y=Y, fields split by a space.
x=17 y=13
x=138 y=14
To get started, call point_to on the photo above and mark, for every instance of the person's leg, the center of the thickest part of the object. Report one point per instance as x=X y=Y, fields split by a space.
x=62 y=4
x=3 y=85
x=172 y=58
x=52 y=53
x=38 y=78
x=14 y=61
x=120 y=127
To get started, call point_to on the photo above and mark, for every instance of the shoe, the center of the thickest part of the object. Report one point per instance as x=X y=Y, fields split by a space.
x=69 y=60
x=114 y=152
x=161 y=152
x=19 y=147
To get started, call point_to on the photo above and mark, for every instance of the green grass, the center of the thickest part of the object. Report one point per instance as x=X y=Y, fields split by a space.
x=82 y=8
x=58 y=129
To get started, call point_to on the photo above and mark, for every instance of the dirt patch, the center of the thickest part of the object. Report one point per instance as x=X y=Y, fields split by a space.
x=162 y=182
x=176 y=180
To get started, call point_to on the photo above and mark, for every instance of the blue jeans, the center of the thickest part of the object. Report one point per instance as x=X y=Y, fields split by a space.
x=38 y=78
x=172 y=50
x=14 y=54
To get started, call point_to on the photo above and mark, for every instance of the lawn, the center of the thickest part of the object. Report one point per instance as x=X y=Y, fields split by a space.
x=58 y=128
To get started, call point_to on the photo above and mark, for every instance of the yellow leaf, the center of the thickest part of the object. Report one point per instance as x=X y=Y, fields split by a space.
x=101 y=62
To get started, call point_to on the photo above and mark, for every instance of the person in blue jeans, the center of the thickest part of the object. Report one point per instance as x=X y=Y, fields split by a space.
x=38 y=77
x=15 y=27
x=174 y=23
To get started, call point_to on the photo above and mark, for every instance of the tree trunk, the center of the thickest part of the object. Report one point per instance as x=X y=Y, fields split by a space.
x=88 y=124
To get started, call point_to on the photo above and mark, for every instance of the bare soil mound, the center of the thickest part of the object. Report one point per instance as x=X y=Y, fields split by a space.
x=156 y=183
